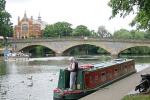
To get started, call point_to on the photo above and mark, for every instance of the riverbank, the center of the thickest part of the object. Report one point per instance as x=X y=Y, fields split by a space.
x=119 y=89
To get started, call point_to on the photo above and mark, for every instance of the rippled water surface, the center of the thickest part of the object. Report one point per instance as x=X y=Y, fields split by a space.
x=35 y=80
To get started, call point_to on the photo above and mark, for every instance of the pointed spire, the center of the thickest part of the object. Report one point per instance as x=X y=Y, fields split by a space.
x=39 y=18
x=18 y=18
x=25 y=16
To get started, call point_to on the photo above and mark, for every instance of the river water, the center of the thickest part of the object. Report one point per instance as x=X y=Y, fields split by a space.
x=36 y=79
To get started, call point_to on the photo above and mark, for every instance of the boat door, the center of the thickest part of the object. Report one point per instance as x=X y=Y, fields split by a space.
x=64 y=77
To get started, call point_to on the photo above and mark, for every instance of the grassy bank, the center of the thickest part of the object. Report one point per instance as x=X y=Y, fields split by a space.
x=137 y=97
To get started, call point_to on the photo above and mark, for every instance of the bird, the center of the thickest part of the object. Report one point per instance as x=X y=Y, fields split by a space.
x=29 y=77
x=30 y=83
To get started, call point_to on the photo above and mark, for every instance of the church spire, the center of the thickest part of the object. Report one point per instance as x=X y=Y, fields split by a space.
x=25 y=16
x=18 y=20
x=39 y=18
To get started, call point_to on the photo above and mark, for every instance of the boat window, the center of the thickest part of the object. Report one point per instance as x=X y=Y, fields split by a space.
x=103 y=73
x=116 y=69
x=103 y=76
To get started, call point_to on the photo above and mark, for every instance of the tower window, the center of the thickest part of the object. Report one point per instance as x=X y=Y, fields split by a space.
x=24 y=27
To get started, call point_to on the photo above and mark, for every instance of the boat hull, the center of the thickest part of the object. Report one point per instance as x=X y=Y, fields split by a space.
x=72 y=96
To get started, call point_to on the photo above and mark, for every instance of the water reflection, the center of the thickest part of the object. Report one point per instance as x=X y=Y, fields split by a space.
x=2 y=68
x=33 y=67
x=16 y=82
x=35 y=80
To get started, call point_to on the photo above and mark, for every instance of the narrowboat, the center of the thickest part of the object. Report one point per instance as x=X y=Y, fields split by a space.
x=91 y=77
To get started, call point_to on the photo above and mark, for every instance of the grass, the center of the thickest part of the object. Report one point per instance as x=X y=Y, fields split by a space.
x=137 y=97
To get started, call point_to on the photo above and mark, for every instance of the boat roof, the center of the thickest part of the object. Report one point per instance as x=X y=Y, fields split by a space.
x=110 y=63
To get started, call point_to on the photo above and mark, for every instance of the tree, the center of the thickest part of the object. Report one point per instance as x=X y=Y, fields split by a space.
x=137 y=34
x=63 y=28
x=147 y=35
x=122 y=34
x=139 y=50
x=6 y=28
x=102 y=32
x=58 y=29
x=140 y=7
x=93 y=33
x=81 y=30
x=49 y=31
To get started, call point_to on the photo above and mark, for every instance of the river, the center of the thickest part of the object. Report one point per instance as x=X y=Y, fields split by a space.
x=36 y=79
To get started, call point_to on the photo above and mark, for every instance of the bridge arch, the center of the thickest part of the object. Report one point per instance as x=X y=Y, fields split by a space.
x=82 y=44
x=132 y=47
x=27 y=48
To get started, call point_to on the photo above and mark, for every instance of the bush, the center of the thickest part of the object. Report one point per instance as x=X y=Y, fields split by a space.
x=137 y=97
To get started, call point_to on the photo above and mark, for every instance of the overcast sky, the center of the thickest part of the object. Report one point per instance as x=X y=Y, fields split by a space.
x=91 y=13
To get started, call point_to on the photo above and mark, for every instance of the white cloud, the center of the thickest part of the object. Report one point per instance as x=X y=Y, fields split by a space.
x=92 y=13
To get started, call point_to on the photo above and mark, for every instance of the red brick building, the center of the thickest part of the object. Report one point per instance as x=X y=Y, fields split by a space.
x=28 y=27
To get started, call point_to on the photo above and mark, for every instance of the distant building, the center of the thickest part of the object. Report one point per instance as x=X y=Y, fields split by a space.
x=28 y=27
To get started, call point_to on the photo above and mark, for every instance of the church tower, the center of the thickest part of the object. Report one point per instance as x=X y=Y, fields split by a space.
x=28 y=27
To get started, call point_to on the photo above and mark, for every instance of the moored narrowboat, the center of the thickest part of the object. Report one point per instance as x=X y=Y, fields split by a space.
x=91 y=77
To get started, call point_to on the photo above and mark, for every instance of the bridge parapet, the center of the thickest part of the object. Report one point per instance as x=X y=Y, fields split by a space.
x=78 y=39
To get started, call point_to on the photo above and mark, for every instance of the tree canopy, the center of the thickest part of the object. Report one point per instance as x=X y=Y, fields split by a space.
x=139 y=7
x=49 y=31
x=6 y=28
x=81 y=30
x=133 y=34
x=147 y=35
x=63 y=28
x=58 y=29
x=122 y=34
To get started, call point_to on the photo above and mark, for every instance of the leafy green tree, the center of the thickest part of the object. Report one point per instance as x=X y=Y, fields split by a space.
x=6 y=28
x=137 y=34
x=63 y=28
x=141 y=50
x=147 y=35
x=122 y=34
x=58 y=29
x=49 y=31
x=140 y=7
x=93 y=33
x=81 y=30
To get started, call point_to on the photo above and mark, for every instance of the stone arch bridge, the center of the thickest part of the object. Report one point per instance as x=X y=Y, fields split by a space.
x=59 y=46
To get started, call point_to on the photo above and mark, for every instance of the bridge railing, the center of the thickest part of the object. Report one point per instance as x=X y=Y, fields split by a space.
x=77 y=39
